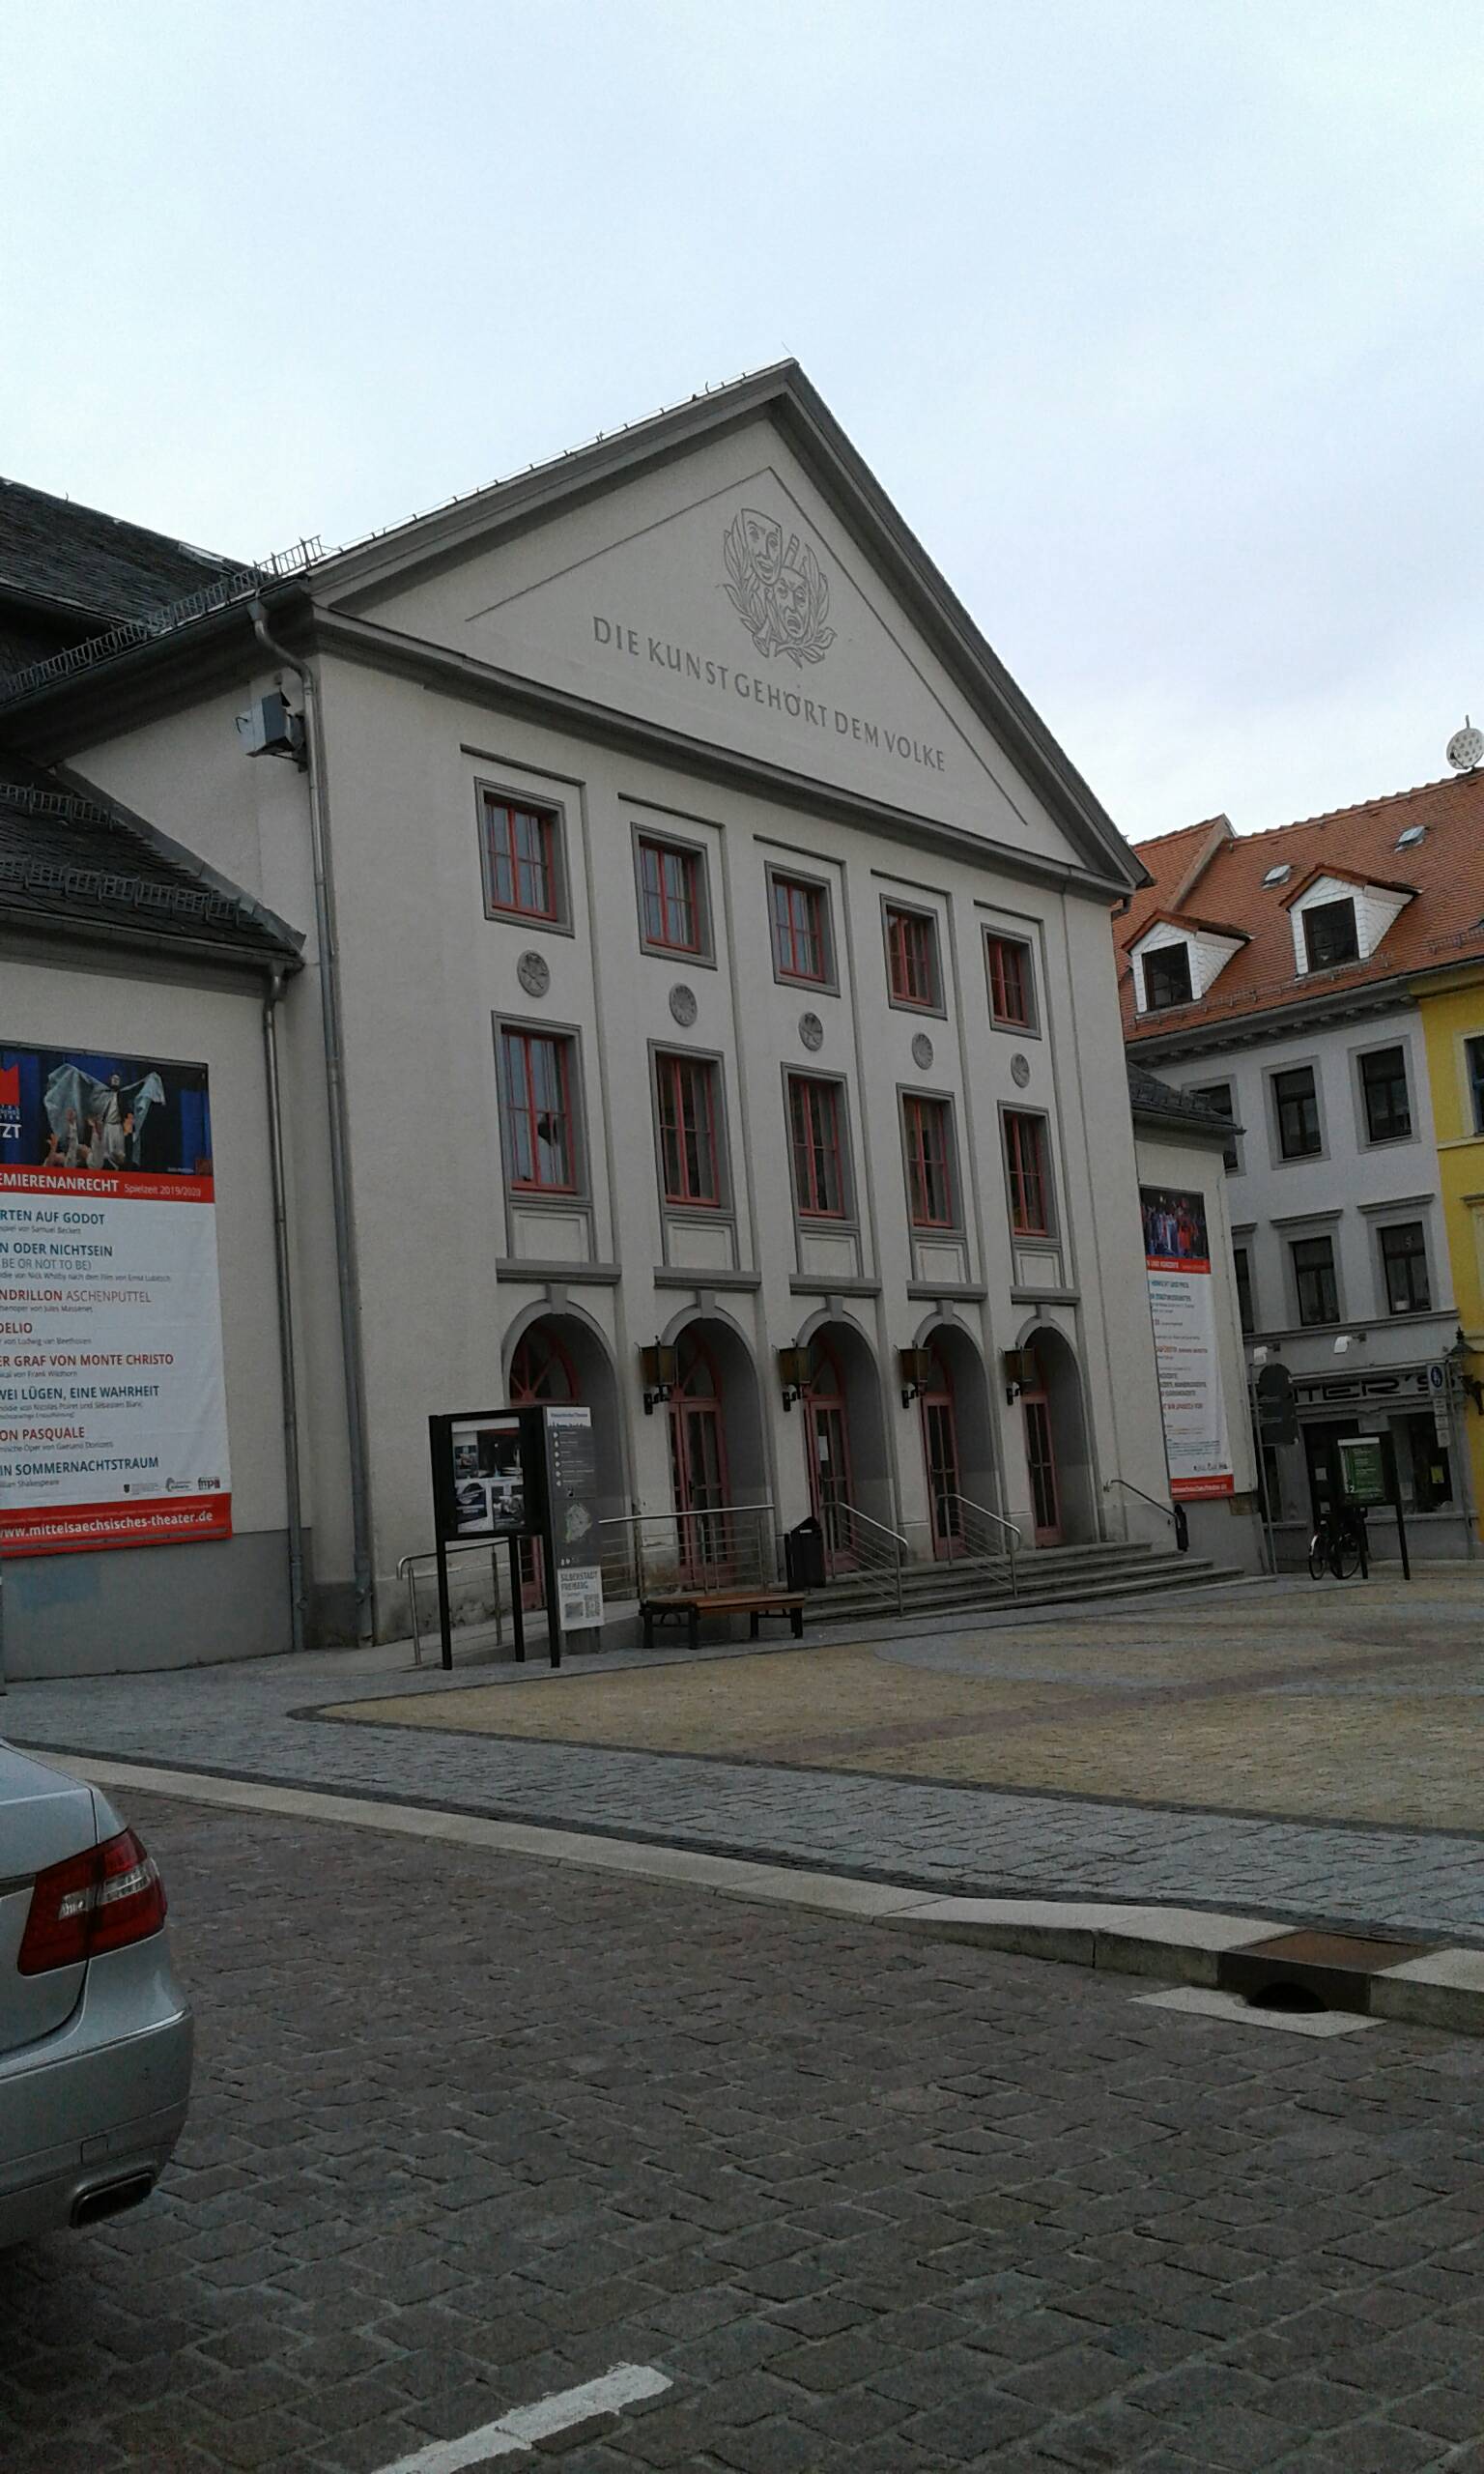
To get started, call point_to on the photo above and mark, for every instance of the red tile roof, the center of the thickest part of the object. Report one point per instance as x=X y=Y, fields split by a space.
x=1443 y=924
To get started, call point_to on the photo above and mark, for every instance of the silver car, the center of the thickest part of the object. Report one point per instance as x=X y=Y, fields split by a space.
x=94 y=2031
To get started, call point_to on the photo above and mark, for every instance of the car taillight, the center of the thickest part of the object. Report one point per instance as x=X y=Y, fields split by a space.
x=100 y=1900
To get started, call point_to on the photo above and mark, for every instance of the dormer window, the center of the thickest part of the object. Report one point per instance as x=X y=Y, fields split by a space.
x=1329 y=936
x=1166 y=977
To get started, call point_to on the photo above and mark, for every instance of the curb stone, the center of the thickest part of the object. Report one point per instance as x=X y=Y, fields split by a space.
x=1441 y=1988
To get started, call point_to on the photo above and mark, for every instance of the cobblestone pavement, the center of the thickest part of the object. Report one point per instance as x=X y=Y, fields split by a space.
x=467 y=2131
x=241 y=1719
x=1361 y=1703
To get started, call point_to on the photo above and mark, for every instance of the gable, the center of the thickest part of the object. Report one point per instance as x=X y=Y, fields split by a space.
x=717 y=594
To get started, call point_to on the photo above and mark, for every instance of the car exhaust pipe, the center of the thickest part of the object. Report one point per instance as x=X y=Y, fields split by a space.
x=111 y=2198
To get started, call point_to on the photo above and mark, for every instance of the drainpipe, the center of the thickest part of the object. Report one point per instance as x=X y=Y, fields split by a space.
x=281 y=1267
x=334 y=1076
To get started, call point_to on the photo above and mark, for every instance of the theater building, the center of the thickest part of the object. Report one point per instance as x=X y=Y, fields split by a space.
x=706 y=948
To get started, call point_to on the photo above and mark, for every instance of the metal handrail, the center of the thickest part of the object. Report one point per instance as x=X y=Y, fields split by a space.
x=981 y=1511
x=879 y=1529
x=1175 y=1516
x=406 y=1570
x=638 y=1520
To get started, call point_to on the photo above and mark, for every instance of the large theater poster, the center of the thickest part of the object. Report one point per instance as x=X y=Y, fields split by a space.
x=1182 y=1299
x=113 y=1422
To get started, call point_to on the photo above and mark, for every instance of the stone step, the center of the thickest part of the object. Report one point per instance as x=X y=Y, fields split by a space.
x=840 y=1605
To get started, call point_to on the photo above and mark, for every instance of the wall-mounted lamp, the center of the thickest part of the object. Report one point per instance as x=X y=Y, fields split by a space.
x=657 y=1366
x=1342 y=1344
x=915 y=1369
x=1012 y=1363
x=794 y=1374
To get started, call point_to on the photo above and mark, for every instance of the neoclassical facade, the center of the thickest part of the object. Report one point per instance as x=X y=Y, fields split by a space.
x=706 y=948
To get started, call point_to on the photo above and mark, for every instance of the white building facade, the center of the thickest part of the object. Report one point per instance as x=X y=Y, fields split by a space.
x=719 y=959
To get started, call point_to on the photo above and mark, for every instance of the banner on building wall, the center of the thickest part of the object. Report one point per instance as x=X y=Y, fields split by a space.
x=113 y=1417
x=1182 y=1304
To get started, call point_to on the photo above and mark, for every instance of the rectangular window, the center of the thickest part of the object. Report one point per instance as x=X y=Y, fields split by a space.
x=1166 y=977
x=1030 y=1186
x=1383 y=1092
x=1245 y=1306
x=929 y=1171
x=1319 y=1299
x=1473 y=1059
x=1008 y=961
x=536 y=1099
x=520 y=859
x=689 y=1154
x=800 y=945
x=1218 y=1097
x=911 y=957
x=1296 y=1103
x=1330 y=935
x=1404 y=1268
x=669 y=889
x=819 y=1150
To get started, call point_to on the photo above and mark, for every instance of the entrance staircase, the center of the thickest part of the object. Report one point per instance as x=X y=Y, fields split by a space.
x=1069 y=1576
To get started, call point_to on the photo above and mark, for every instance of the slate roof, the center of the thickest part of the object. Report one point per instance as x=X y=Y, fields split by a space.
x=75 y=858
x=77 y=558
x=1442 y=924
x=1150 y=1097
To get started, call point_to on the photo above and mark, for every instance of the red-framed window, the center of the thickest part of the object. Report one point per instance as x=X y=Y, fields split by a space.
x=818 y=1147
x=689 y=1157
x=520 y=859
x=929 y=1162
x=911 y=957
x=669 y=889
x=800 y=933
x=1029 y=1182
x=535 y=1092
x=1009 y=961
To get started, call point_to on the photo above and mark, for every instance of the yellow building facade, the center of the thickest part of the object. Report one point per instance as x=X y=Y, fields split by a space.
x=1451 y=1008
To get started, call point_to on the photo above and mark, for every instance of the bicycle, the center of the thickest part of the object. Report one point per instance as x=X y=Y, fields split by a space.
x=1338 y=1544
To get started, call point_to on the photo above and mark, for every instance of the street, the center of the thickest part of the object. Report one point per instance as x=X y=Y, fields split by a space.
x=469 y=2131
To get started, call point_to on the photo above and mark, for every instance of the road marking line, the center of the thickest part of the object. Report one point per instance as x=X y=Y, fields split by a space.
x=1199 y=2002
x=521 y=2429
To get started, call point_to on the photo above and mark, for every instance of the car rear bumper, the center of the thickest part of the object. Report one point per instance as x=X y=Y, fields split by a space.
x=97 y=2108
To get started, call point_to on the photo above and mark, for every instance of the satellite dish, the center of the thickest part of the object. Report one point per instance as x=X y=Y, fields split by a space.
x=1466 y=748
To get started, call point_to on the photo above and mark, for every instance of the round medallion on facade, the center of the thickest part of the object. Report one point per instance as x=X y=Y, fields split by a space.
x=1019 y=1070
x=921 y=1050
x=811 y=1032
x=535 y=974
x=683 y=1005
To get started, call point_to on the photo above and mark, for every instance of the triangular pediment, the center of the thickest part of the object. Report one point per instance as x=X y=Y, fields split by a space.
x=715 y=588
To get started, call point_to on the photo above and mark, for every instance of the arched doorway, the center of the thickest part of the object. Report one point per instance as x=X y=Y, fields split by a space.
x=845 y=1447
x=716 y=1458
x=1056 y=1454
x=957 y=1446
x=559 y=1360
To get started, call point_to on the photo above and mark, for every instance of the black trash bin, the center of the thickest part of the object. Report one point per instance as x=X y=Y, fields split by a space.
x=804 y=1555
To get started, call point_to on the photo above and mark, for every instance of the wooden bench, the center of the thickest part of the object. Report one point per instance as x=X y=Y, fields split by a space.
x=692 y=1604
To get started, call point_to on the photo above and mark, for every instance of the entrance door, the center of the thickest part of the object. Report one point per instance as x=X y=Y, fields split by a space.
x=827 y=1444
x=940 y=1455
x=1040 y=1462
x=698 y=1469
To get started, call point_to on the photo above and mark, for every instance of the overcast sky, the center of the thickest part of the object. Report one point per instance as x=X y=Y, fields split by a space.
x=1163 y=324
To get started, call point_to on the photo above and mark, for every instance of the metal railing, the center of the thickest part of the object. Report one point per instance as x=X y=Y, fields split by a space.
x=868 y=1542
x=718 y=1546
x=966 y=1504
x=1175 y=1516
x=406 y=1570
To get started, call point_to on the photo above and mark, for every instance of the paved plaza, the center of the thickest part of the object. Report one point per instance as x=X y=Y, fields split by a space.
x=1345 y=1703
x=1413 y=1679
x=469 y=2130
